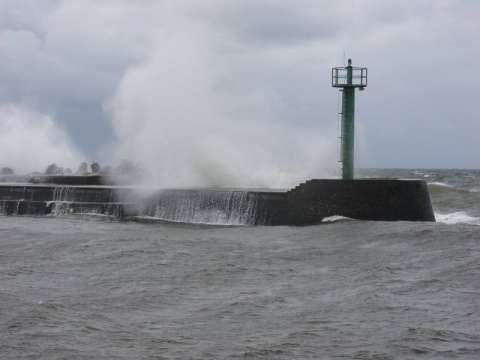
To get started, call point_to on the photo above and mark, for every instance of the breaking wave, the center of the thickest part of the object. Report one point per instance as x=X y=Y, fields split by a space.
x=459 y=217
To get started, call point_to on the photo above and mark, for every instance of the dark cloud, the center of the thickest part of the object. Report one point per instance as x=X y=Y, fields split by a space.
x=268 y=23
x=25 y=15
x=107 y=72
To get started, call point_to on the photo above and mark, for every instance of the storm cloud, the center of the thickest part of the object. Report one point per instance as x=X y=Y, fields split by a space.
x=236 y=93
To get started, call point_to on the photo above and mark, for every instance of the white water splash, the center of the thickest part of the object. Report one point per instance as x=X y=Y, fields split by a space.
x=335 y=218
x=457 y=218
x=439 y=184
x=203 y=207
x=188 y=115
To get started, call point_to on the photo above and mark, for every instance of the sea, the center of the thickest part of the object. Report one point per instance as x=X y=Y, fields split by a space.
x=94 y=287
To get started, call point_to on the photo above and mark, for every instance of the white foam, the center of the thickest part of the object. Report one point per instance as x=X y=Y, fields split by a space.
x=204 y=207
x=335 y=218
x=439 y=184
x=457 y=218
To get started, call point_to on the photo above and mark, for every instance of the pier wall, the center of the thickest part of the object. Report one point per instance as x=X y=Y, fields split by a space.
x=308 y=203
x=369 y=199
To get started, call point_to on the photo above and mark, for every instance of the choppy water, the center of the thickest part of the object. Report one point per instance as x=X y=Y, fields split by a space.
x=84 y=287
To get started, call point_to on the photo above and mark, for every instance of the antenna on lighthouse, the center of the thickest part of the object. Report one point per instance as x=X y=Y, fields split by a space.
x=348 y=78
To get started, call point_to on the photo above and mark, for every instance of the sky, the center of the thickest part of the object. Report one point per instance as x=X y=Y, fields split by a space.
x=237 y=92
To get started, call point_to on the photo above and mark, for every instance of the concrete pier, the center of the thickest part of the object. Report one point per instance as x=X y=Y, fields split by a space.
x=382 y=200
x=308 y=203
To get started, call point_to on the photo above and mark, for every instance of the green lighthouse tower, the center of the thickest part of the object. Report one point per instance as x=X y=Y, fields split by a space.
x=348 y=78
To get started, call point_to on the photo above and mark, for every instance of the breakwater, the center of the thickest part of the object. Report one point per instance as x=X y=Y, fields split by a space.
x=308 y=203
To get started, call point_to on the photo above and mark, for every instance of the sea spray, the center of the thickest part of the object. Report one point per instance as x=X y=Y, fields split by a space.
x=203 y=206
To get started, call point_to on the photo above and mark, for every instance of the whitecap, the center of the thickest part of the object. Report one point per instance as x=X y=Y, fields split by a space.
x=335 y=218
x=457 y=218
x=439 y=184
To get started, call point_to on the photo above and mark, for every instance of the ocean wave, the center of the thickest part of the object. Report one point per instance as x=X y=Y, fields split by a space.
x=436 y=183
x=155 y=219
x=335 y=218
x=439 y=187
x=457 y=218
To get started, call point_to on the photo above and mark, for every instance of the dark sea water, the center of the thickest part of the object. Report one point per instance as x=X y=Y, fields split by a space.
x=90 y=287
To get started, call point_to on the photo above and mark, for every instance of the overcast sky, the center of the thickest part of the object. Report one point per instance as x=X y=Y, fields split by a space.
x=237 y=92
